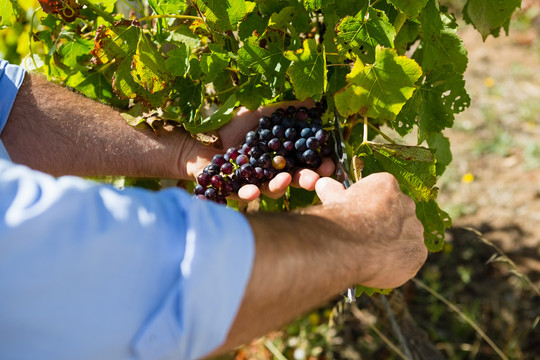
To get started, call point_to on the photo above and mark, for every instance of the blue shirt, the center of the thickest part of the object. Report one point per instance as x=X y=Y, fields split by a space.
x=91 y=272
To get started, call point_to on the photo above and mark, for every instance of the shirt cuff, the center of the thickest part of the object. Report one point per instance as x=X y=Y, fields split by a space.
x=198 y=312
x=11 y=79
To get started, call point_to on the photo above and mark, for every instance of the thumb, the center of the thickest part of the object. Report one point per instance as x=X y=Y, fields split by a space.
x=329 y=190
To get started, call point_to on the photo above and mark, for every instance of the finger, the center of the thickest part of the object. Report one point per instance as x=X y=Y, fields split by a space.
x=306 y=179
x=327 y=167
x=329 y=190
x=249 y=192
x=277 y=187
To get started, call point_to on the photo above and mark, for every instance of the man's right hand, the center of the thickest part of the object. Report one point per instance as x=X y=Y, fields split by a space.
x=382 y=223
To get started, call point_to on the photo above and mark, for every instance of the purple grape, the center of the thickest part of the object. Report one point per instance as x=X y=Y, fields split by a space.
x=218 y=160
x=217 y=181
x=259 y=173
x=254 y=161
x=227 y=188
x=231 y=154
x=312 y=143
x=313 y=113
x=306 y=133
x=270 y=173
x=326 y=150
x=221 y=200
x=200 y=197
x=252 y=140
x=265 y=135
x=265 y=160
x=211 y=193
x=246 y=171
x=199 y=189
x=291 y=111
x=227 y=168
x=300 y=144
x=278 y=131
x=276 y=118
x=263 y=146
x=265 y=122
x=310 y=157
x=274 y=144
x=301 y=114
x=321 y=135
x=242 y=159
x=204 y=179
x=291 y=133
x=288 y=145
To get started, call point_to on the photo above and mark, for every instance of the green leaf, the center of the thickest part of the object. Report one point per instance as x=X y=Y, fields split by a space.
x=148 y=67
x=434 y=104
x=313 y=5
x=75 y=51
x=222 y=15
x=443 y=154
x=413 y=167
x=219 y=118
x=308 y=71
x=294 y=18
x=410 y=7
x=182 y=35
x=214 y=64
x=379 y=90
x=253 y=25
x=441 y=47
x=188 y=96
x=337 y=78
x=363 y=32
x=254 y=93
x=108 y=5
x=488 y=16
x=407 y=35
x=167 y=7
x=435 y=221
x=271 y=63
x=178 y=60
x=94 y=85
x=7 y=12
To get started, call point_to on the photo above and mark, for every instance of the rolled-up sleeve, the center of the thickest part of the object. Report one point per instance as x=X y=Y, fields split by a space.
x=91 y=272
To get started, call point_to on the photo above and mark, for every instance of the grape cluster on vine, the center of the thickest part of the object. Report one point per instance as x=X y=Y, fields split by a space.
x=288 y=139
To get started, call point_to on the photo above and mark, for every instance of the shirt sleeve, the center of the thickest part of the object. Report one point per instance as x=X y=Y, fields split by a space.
x=11 y=78
x=91 y=272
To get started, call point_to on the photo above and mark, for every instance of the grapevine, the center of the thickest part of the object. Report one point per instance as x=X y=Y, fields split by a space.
x=390 y=68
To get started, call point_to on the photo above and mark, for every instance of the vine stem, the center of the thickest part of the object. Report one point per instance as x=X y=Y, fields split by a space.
x=464 y=316
x=98 y=11
x=163 y=16
x=365 y=139
x=386 y=137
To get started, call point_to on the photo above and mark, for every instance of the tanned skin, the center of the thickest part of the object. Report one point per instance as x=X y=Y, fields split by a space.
x=367 y=234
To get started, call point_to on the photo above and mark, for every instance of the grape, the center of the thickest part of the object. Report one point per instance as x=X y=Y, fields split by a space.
x=218 y=160
x=270 y=173
x=302 y=114
x=199 y=189
x=212 y=170
x=291 y=111
x=201 y=197
x=265 y=135
x=211 y=193
x=256 y=152
x=265 y=122
x=310 y=157
x=204 y=179
x=242 y=159
x=254 y=161
x=263 y=146
x=278 y=131
x=231 y=154
x=252 y=140
x=321 y=135
x=265 y=160
x=288 y=145
x=217 y=181
x=247 y=170
x=290 y=133
x=306 y=133
x=259 y=173
x=274 y=144
x=227 y=168
x=313 y=113
x=279 y=162
x=312 y=143
x=300 y=144
x=276 y=118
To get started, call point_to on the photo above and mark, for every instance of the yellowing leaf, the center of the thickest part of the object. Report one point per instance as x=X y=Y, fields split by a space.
x=308 y=71
x=379 y=90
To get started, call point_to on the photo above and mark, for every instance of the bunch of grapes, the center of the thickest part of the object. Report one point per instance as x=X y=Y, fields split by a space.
x=289 y=139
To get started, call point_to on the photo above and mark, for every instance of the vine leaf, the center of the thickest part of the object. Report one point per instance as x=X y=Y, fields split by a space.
x=488 y=16
x=443 y=154
x=308 y=71
x=189 y=96
x=441 y=46
x=413 y=167
x=219 y=118
x=7 y=11
x=379 y=90
x=149 y=68
x=162 y=7
x=435 y=221
x=410 y=7
x=74 y=50
x=222 y=15
x=214 y=63
x=441 y=95
x=178 y=60
x=363 y=32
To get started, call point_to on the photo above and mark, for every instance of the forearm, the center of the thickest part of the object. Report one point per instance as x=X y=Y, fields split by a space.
x=301 y=262
x=63 y=133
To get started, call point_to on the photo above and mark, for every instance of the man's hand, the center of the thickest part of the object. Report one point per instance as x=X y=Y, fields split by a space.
x=376 y=213
x=233 y=134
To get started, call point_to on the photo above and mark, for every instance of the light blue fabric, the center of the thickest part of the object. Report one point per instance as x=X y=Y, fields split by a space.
x=11 y=78
x=91 y=272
